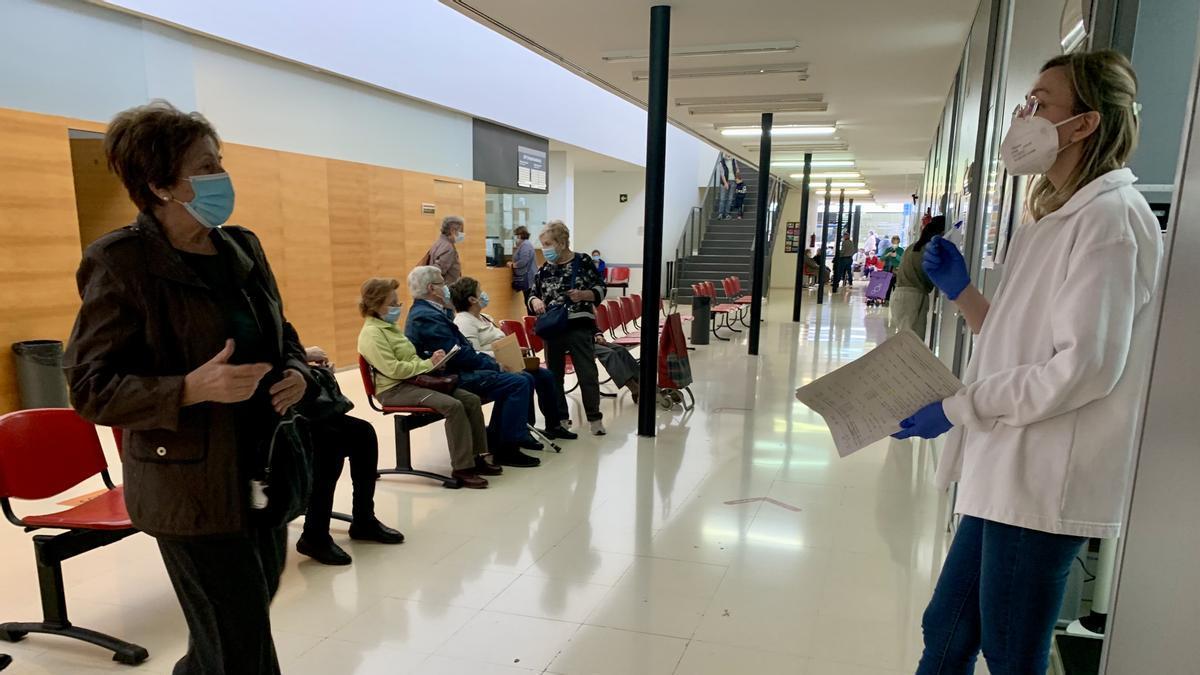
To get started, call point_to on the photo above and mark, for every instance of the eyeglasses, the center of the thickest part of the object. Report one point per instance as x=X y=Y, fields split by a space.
x=1027 y=109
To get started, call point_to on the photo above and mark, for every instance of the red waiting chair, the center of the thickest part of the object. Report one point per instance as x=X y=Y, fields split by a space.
x=606 y=324
x=406 y=418
x=43 y=453
x=618 y=277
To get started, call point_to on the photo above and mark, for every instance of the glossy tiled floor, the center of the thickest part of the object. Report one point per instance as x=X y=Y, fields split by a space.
x=620 y=556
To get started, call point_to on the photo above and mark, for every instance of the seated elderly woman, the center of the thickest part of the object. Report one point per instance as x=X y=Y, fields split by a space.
x=431 y=329
x=395 y=362
x=481 y=330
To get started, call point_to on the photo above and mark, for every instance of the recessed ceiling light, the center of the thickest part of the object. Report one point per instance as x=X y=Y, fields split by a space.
x=816 y=164
x=728 y=71
x=788 y=130
x=809 y=146
x=834 y=175
x=849 y=193
x=706 y=50
x=815 y=106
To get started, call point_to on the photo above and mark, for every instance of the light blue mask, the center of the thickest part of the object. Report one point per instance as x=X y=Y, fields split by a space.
x=446 y=294
x=393 y=314
x=458 y=238
x=213 y=203
x=551 y=254
x=483 y=299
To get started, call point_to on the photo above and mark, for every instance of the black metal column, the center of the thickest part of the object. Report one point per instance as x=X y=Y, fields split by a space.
x=819 y=256
x=805 y=194
x=760 y=232
x=656 y=156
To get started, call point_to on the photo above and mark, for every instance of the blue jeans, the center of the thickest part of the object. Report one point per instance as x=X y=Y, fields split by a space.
x=510 y=394
x=1000 y=591
x=724 y=198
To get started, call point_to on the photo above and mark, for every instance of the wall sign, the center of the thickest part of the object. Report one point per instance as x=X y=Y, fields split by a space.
x=507 y=158
x=623 y=198
x=428 y=208
x=791 y=242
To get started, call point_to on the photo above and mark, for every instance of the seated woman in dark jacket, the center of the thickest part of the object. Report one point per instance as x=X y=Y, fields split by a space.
x=181 y=341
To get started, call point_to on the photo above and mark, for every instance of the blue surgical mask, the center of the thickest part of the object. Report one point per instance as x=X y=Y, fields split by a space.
x=213 y=203
x=551 y=254
x=393 y=314
x=483 y=299
x=458 y=238
x=446 y=295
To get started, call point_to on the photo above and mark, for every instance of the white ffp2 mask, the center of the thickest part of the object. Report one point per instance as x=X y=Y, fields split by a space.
x=1031 y=145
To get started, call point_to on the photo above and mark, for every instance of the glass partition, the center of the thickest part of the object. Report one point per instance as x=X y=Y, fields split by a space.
x=504 y=210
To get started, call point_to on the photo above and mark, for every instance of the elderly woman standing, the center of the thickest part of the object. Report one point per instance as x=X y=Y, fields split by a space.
x=395 y=361
x=443 y=254
x=181 y=341
x=524 y=262
x=571 y=280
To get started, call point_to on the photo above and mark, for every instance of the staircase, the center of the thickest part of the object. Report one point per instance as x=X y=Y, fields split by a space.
x=725 y=248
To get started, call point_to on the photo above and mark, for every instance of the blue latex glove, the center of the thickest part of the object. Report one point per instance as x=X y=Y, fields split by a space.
x=929 y=422
x=945 y=266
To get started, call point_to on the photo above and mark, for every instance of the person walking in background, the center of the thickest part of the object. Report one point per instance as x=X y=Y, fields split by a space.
x=395 y=365
x=1043 y=436
x=443 y=254
x=739 y=197
x=524 y=262
x=910 y=302
x=181 y=341
x=569 y=281
x=727 y=170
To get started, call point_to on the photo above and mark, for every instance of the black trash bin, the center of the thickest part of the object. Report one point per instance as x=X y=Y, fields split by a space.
x=701 y=319
x=40 y=375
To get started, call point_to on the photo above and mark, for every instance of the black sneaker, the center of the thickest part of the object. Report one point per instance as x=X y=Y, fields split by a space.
x=515 y=457
x=560 y=432
x=323 y=551
x=375 y=531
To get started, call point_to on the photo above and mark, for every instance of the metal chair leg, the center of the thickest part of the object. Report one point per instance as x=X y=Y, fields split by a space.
x=404 y=465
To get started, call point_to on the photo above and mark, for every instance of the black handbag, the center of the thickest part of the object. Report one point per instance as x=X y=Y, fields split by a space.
x=555 y=320
x=281 y=491
x=327 y=399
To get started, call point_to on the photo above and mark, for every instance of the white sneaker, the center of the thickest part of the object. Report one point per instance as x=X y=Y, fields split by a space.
x=598 y=428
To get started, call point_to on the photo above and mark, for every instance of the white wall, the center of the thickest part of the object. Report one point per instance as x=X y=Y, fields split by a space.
x=560 y=201
x=77 y=60
x=603 y=222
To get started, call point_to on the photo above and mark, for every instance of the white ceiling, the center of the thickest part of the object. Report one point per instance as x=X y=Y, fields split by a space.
x=884 y=66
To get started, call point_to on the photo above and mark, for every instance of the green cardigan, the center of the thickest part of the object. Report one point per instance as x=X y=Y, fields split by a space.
x=391 y=354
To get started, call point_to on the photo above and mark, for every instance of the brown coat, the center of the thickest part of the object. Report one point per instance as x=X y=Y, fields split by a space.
x=146 y=321
x=443 y=254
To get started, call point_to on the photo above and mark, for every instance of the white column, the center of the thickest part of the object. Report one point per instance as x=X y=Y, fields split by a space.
x=560 y=201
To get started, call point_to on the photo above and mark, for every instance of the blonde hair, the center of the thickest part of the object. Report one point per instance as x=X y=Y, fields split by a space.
x=558 y=232
x=1103 y=82
x=374 y=293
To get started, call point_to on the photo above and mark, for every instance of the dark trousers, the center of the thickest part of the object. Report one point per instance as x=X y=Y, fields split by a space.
x=550 y=397
x=527 y=293
x=578 y=341
x=511 y=394
x=225 y=586
x=1000 y=590
x=335 y=439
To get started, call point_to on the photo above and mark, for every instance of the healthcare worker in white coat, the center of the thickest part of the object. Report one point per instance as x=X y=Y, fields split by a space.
x=1043 y=432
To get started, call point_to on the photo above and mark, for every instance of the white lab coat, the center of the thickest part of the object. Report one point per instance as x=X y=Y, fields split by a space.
x=1044 y=430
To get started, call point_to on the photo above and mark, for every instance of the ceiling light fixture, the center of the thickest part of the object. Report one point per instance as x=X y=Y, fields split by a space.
x=849 y=193
x=758 y=108
x=706 y=50
x=729 y=71
x=789 y=130
x=811 y=146
x=830 y=175
x=817 y=163
x=756 y=99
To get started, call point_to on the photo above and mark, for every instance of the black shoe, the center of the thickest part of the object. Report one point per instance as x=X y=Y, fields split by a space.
x=530 y=444
x=560 y=432
x=515 y=457
x=323 y=551
x=374 y=530
x=485 y=467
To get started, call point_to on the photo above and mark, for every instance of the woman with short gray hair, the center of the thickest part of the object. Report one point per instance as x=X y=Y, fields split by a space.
x=443 y=254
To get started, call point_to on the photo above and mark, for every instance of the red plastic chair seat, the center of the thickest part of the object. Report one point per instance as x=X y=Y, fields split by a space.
x=724 y=309
x=628 y=341
x=412 y=409
x=105 y=512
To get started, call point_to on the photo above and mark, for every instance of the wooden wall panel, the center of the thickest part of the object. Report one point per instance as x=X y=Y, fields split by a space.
x=101 y=202
x=39 y=237
x=257 y=205
x=350 y=248
x=308 y=262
